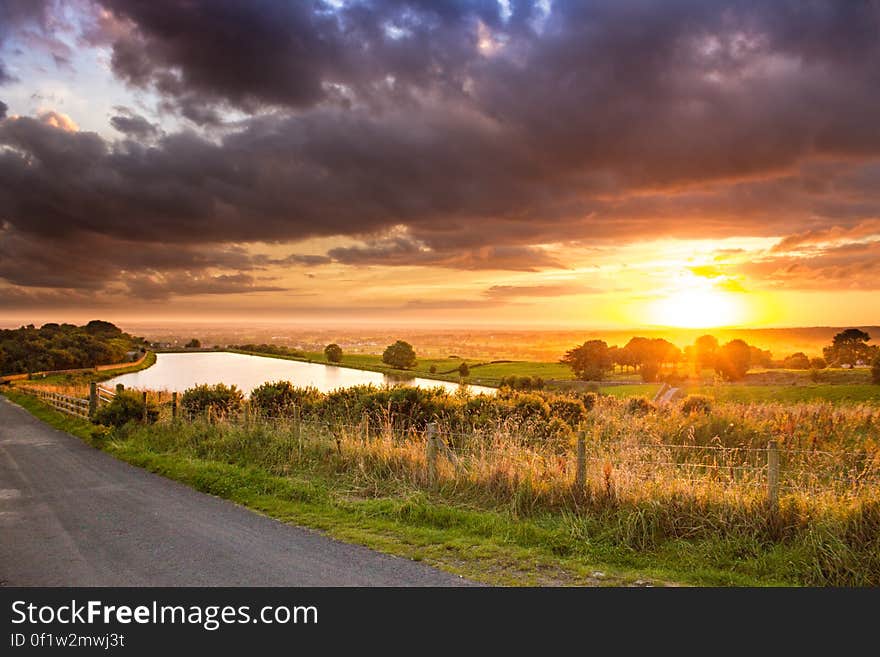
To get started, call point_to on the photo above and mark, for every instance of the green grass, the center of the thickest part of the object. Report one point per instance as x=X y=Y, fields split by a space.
x=493 y=545
x=790 y=393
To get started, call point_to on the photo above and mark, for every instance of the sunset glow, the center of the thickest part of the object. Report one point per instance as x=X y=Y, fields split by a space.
x=510 y=165
x=697 y=308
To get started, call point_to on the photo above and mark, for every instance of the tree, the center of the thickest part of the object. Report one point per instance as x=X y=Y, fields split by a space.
x=875 y=370
x=193 y=344
x=732 y=361
x=798 y=361
x=848 y=347
x=464 y=370
x=760 y=357
x=818 y=363
x=333 y=353
x=704 y=352
x=399 y=355
x=590 y=361
x=649 y=371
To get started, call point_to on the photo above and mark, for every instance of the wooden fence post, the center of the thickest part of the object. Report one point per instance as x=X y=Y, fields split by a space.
x=173 y=405
x=93 y=398
x=431 y=455
x=772 y=473
x=580 y=479
x=145 y=406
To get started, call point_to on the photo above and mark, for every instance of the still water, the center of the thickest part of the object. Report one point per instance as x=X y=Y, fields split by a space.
x=177 y=372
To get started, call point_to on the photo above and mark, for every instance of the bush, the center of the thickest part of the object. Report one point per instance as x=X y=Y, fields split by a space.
x=220 y=399
x=818 y=363
x=569 y=409
x=639 y=406
x=333 y=353
x=522 y=382
x=433 y=369
x=281 y=398
x=127 y=406
x=696 y=404
x=589 y=400
x=464 y=370
x=875 y=370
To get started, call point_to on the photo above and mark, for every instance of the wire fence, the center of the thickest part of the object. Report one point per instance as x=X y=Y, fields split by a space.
x=456 y=453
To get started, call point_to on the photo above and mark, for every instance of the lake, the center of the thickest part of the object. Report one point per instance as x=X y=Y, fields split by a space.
x=177 y=372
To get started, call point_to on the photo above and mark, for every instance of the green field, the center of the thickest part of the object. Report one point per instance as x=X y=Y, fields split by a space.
x=789 y=393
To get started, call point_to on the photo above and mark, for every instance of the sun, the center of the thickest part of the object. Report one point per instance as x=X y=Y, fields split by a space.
x=697 y=307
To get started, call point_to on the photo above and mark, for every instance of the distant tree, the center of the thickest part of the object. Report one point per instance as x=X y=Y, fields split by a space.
x=760 y=357
x=590 y=361
x=432 y=369
x=333 y=353
x=818 y=363
x=464 y=370
x=798 y=361
x=193 y=344
x=399 y=355
x=102 y=328
x=875 y=370
x=705 y=348
x=848 y=347
x=732 y=361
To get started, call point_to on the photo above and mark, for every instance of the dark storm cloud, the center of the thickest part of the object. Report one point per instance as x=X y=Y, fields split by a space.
x=163 y=286
x=133 y=125
x=444 y=134
x=252 y=53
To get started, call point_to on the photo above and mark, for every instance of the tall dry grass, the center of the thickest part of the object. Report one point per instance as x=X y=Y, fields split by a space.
x=652 y=475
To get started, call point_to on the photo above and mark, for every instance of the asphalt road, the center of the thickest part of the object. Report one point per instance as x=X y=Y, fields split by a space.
x=71 y=515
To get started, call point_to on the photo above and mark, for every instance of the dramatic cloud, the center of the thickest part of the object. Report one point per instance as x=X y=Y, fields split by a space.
x=133 y=125
x=456 y=135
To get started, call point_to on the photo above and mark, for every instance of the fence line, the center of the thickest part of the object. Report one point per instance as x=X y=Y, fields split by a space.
x=736 y=466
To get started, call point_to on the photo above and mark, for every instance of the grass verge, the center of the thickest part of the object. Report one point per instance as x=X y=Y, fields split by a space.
x=492 y=545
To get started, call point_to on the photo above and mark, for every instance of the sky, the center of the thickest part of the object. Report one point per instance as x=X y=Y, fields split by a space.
x=606 y=163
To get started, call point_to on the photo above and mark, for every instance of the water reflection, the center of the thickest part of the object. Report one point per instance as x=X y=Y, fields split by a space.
x=177 y=372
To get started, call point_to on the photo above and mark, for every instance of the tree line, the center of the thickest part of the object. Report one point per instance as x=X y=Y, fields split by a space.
x=594 y=359
x=64 y=346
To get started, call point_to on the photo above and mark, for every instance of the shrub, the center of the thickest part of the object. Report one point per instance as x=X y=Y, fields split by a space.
x=589 y=400
x=127 y=406
x=333 y=353
x=639 y=406
x=875 y=370
x=281 y=398
x=818 y=363
x=522 y=382
x=220 y=399
x=696 y=404
x=433 y=369
x=464 y=370
x=569 y=409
